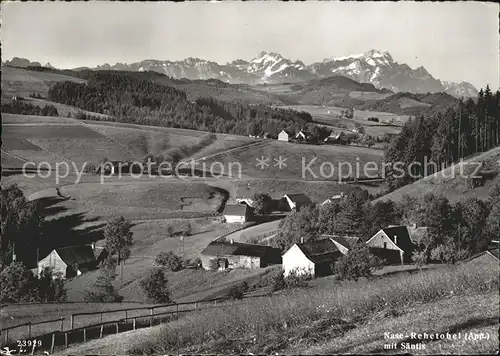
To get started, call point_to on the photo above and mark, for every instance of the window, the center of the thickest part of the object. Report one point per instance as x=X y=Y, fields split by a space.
x=385 y=244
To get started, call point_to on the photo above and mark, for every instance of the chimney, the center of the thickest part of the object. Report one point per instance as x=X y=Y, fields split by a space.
x=395 y=239
x=302 y=240
x=93 y=246
x=231 y=241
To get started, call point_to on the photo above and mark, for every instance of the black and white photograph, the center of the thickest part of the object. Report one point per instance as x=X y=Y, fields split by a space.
x=249 y=178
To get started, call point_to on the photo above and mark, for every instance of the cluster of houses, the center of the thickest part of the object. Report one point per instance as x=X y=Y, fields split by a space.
x=315 y=258
x=335 y=138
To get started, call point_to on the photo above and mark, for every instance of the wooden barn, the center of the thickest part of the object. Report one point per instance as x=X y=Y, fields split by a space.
x=222 y=255
x=69 y=261
x=313 y=258
x=392 y=244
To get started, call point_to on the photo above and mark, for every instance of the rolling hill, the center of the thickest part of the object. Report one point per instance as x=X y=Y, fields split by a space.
x=451 y=183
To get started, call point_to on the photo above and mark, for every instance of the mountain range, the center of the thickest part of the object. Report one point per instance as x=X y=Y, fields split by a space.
x=375 y=67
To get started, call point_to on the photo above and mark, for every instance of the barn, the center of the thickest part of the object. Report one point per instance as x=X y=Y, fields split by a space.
x=392 y=244
x=222 y=255
x=313 y=258
x=238 y=213
x=69 y=261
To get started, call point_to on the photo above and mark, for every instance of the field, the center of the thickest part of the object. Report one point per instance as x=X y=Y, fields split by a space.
x=321 y=115
x=451 y=183
x=345 y=321
x=23 y=82
x=298 y=157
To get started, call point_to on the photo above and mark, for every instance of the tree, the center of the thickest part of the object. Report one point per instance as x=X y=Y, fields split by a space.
x=21 y=225
x=237 y=291
x=102 y=289
x=358 y=262
x=471 y=216
x=118 y=238
x=380 y=215
x=169 y=260
x=51 y=287
x=262 y=204
x=296 y=227
x=18 y=284
x=155 y=286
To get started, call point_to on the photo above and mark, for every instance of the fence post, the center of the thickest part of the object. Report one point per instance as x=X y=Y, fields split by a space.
x=195 y=305
x=62 y=324
x=53 y=343
x=6 y=335
x=151 y=318
x=133 y=324
x=126 y=315
x=101 y=316
x=101 y=331
x=29 y=330
x=66 y=340
x=84 y=334
x=116 y=327
x=72 y=321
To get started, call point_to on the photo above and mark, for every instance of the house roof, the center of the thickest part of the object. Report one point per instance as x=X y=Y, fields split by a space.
x=288 y=132
x=76 y=254
x=320 y=251
x=98 y=251
x=346 y=241
x=403 y=238
x=335 y=135
x=299 y=198
x=236 y=209
x=493 y=252
x=217 y=248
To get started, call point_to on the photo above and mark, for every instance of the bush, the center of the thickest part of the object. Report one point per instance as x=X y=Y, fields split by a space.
x=294 y=280
x=358 y=262
x=18 y=284
x=103 y=290
x=169 y=260
x=155 y=286
x=237 y=291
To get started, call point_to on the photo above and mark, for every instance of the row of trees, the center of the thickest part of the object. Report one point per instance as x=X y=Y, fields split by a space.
x=472 y=127
x=20 y=108
x=455 y=231
x=130 y=98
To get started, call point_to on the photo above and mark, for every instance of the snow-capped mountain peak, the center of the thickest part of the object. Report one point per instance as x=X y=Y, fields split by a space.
x=374 y=66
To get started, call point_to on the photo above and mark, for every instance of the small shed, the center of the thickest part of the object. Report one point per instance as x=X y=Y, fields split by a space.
x=238 y=213
x=392 y=244
x=313 y=258
x=229 y=254
x=284 y=135
x=296 y=201
x=69 y=261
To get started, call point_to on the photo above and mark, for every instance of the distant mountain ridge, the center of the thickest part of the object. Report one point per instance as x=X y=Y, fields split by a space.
x=374 y=67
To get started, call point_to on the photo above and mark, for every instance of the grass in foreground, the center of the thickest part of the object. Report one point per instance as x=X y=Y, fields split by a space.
x=287 y=321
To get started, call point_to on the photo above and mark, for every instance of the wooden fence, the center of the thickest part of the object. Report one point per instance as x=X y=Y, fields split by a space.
x=63 y=338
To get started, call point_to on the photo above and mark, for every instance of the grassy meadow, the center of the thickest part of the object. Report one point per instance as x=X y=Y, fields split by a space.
x=338 y=318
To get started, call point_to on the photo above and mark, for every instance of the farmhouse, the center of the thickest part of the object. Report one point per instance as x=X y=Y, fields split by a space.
x=284 y=136
x=239 y=213
x=296 y=201
x=343 y=243
x=312 y=258
x=392 y=244
x=69 y=261
x=221 y=255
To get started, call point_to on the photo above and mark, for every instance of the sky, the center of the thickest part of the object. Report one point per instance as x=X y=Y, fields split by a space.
x=455 y=41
